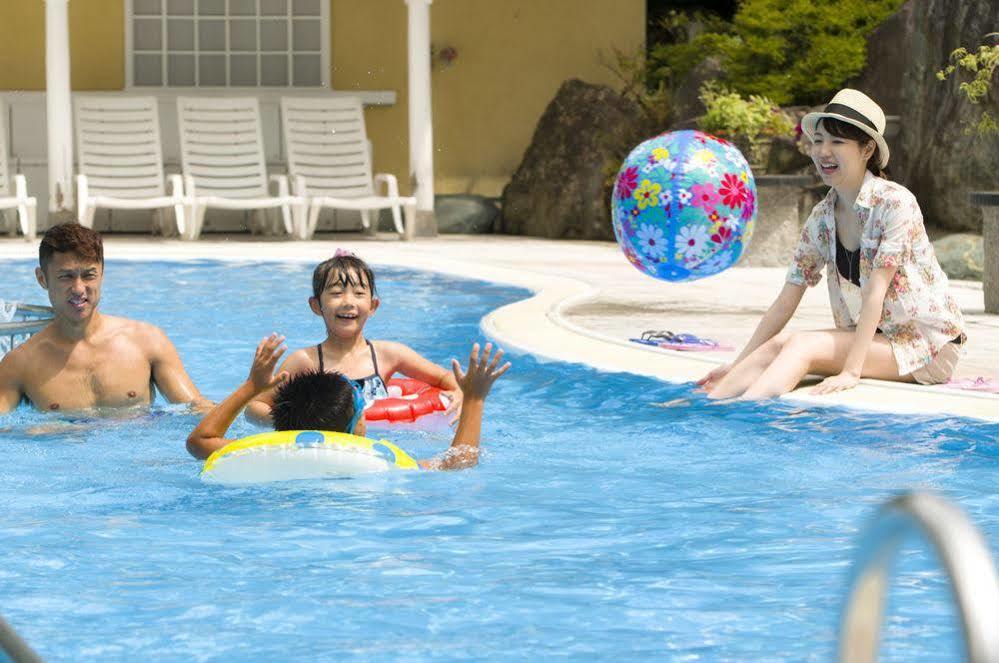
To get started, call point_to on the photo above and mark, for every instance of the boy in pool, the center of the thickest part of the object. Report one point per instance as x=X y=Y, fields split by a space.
x=315 y=400
x=344 y=296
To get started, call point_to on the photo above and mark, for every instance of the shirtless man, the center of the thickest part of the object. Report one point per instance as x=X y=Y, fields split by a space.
x=84 y=359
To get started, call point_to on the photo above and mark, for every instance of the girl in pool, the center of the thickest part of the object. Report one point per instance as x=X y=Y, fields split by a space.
x=895 y=319
x=344 y=296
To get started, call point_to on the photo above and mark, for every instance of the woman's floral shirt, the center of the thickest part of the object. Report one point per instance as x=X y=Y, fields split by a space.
x=919 y=316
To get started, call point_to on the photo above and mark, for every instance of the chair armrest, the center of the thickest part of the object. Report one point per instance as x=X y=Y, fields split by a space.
x=82 y=190
x=282 y=182
x=390 y=182
x=176 y=185
x=298 y=185
x=189 y=189
x=20 y=186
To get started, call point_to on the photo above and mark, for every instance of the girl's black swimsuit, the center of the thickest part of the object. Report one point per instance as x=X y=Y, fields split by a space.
x=372 y=387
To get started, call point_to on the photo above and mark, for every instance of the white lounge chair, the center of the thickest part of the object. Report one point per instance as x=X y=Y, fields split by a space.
x=329 y=161
x=25 y=205
x=222 y=150
x=120 y=160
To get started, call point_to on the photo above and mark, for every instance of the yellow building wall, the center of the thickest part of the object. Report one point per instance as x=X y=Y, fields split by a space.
x=512 y=55
x=96 y=44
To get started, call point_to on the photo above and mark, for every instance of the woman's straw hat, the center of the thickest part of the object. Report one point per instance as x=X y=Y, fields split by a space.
x=856 y=108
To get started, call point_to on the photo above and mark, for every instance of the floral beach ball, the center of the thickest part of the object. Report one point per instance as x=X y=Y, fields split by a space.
x=684 y=206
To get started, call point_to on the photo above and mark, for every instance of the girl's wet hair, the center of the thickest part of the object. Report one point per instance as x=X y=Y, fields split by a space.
x=346 y=270
x=841 y=129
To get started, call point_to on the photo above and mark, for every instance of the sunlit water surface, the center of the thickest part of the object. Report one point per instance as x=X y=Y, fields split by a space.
x=599 y=525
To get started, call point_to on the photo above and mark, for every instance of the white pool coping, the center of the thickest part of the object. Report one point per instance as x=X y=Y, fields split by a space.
x=537 y=325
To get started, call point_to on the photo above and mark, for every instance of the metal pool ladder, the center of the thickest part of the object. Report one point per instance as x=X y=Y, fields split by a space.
x=964 y=555
x=16 y=649
x=27 y=319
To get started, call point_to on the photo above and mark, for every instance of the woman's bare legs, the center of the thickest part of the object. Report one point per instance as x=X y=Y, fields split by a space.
x=821 y=353
x=748 y=371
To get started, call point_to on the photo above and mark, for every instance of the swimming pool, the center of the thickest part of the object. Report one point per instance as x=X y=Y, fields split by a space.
x=599 y=524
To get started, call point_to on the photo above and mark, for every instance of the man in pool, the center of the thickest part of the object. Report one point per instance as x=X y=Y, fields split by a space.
x=84 y=359
x=328 y=402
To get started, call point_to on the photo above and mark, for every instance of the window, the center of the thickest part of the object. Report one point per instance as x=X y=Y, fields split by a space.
x=227 y=43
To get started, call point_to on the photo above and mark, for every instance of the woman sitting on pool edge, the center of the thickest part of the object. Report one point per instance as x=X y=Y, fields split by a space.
x=344 y=296
x=326 y=401
x=894 y=318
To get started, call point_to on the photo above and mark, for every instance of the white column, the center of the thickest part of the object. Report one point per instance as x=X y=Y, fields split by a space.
x=421 y=133
x=58 y=104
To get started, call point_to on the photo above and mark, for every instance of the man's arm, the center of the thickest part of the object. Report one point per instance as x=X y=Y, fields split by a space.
x=10 y=382
x=475 y=383
x=209 y=435
x=168 y=371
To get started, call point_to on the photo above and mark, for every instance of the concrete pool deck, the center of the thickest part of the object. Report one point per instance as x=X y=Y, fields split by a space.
x=589 y=301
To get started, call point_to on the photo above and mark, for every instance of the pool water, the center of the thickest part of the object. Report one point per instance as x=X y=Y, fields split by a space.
x=600 y=525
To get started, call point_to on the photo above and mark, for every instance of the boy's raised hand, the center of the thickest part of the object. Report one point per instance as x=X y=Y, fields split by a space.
x=481 y=373
x=269 y=351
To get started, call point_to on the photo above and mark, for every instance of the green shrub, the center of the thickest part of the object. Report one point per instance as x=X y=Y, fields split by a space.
x=793 y=51
x=745 y=121
x=670 y=61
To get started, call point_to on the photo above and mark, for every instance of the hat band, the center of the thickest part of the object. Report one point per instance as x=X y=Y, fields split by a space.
x=846 y=111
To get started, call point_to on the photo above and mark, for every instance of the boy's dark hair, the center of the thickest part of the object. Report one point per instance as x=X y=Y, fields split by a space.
x=314 y=401
x=70 y=238
x=842 y=129
x=347 y=269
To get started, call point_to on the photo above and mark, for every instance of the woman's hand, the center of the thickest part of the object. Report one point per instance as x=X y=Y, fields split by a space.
x=716 y=374
x=834 y=383
x=262 y=376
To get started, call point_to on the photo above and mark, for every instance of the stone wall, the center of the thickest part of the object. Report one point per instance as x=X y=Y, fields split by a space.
x=778 y=220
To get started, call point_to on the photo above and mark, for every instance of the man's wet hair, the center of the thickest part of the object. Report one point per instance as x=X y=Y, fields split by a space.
x=314 y=401
x=70 y=238
x=345 y=270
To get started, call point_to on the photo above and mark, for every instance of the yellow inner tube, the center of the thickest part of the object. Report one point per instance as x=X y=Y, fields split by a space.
x=295 y=454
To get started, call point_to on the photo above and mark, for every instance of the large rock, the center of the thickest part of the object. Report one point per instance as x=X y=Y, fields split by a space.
x=456 y=213
x=561 y=190
x=961 y=256
x=686 y=98
x=933 y=155
x=465 y=214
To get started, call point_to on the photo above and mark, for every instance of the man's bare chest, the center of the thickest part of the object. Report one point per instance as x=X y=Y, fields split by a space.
x=73 y=380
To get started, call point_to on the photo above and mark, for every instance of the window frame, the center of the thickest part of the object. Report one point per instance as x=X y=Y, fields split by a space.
x=324 y=56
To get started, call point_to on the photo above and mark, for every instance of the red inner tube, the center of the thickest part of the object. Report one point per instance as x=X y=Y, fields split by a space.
x=418 y=399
